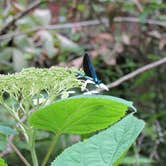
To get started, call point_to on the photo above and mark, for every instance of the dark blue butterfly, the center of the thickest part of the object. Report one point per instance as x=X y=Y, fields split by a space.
x=89 y=70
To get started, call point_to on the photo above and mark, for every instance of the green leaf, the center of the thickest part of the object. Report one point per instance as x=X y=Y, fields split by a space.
x=48 y=43
x=4 y=130
x=26 y=23
x=119 y=160
x=104 y=148
x=132 y=160
x=42 y=17
x=3 y=143
x=2 y=162
x=49 y=47
x=5 y=54
x=41 y=135
x=80 y=115
x=81 y=7
x=19 y=62
x=23 y=42
x=67 y=45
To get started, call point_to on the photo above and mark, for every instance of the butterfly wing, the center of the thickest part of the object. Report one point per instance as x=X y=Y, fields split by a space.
x=89 y=68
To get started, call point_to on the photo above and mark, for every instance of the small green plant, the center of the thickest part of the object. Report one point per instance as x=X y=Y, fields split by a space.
x=38 y=100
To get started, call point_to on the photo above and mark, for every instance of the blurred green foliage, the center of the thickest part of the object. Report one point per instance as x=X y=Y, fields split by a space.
x=117 y=49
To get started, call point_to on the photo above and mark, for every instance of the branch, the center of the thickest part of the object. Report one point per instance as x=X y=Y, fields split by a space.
x=134 y=73
x=138 y=5
x=20 y=15
x=85 y=23
x=19 y=153
x=137 y=20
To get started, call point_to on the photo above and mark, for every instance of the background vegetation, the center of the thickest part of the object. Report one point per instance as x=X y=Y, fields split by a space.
x=121 y=36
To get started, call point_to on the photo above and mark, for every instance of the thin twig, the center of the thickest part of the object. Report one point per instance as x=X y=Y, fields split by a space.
x=8 y=147
x=18 y=153
x=138 y=5
x=134 y=73
x=84 y=23
x=137 y=20
x=20 y=15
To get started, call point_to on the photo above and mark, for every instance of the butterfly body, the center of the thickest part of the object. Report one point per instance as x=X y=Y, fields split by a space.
x=89 y=70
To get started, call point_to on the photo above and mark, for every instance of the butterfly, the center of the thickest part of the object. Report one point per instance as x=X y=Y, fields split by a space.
x=89 y=69
x=90 y=72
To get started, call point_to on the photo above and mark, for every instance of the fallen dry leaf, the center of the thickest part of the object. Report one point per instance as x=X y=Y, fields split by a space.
x=76 y=63
x=126 y=39
x=108 y=56
x=155 y=34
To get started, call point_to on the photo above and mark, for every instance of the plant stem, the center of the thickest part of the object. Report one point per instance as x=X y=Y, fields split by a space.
x=34 y=157
x=32 y=147
x=50 y=149
x=19 y=153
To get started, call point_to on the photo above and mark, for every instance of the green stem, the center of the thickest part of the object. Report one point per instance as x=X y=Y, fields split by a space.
x=34 y=157
x=50 y=149
x=14 y=115
x=32 y=147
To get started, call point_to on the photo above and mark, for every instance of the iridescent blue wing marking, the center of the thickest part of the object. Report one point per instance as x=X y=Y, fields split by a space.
x=89 y=69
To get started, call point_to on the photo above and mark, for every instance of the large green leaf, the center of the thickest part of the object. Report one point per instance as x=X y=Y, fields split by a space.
x=81 y=114
x=2 y=162
x=104 y=148
x=140 y=160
